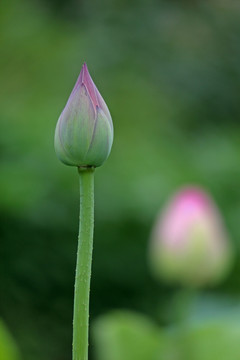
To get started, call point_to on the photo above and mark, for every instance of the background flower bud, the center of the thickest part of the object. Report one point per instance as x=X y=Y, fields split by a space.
x=84 y=131
x=189 y=243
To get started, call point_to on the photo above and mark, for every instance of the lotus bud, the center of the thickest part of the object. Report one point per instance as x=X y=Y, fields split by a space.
x=84 y=131
x=189 y=244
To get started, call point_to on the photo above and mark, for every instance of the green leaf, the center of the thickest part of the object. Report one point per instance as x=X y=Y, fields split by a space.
x=8 y=349
x=124 y=335
x=217 y=338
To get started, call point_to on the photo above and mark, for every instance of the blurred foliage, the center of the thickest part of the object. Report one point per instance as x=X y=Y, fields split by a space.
x=213 y=332
x=126 y=335
x=8 y=349
x=129 y=336
x=169 y=71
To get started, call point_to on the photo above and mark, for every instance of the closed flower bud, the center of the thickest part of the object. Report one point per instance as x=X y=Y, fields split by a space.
x=189 y=244
x=84 y=131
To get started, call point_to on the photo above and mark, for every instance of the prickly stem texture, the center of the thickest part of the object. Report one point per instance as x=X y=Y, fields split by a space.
x=83 y=267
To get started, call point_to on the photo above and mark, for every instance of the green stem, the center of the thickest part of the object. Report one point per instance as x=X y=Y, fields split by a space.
x=84 y=262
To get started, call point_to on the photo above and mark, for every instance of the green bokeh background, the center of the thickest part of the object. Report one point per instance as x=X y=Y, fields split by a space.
x=169 y=72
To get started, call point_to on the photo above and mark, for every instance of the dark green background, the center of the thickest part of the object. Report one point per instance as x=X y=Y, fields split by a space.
x=170 y=74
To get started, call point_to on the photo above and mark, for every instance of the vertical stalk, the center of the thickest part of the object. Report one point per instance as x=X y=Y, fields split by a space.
x=83 y=267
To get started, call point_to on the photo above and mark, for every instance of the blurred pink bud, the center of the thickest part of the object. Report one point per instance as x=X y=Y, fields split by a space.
x=189 y=243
